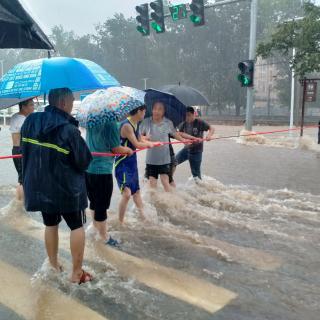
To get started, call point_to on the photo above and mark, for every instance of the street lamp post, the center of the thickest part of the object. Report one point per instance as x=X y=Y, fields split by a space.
x=252 y=53
x=145 y=82
x=292 y=92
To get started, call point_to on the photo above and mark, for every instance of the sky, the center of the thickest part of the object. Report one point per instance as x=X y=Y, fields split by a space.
x=81 y=16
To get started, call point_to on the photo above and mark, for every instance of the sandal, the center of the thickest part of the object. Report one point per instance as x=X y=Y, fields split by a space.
x=85 y=277
x=112 y=242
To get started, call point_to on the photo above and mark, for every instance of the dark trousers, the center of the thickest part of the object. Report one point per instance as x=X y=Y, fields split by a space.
x=195 y=160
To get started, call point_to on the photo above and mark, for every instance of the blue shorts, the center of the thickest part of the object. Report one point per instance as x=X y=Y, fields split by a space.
x=127 y=177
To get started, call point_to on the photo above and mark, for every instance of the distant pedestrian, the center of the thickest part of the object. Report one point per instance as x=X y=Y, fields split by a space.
x=17 y=120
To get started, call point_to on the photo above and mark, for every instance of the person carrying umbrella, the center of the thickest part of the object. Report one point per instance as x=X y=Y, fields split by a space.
x=55 y=158
x=194 y=127
x=99 y=179
x=25 y=108
x=99 y=112
x=158 y=128
x=126 y=167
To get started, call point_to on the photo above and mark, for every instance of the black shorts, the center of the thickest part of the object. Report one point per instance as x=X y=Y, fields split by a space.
x=18 y=162
x=155 y=170
x=74 y=220
x=99 y=189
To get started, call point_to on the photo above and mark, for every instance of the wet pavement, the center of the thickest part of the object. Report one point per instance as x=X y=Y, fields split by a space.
x=241 y=244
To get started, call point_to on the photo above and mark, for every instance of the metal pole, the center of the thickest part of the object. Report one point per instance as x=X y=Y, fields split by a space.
x=292 y=91
x=208 y=6
x=269 y=93
x=303 y=105
x=145 y=82
x=252 y=53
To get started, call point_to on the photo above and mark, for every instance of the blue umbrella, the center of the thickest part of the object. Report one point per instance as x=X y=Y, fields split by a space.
x=37 y=77
x=175 y=110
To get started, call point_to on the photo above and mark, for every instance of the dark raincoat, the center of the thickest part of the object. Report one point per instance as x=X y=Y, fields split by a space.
x=55 y=158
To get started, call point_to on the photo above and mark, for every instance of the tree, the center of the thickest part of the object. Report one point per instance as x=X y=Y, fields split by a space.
x=301 y=34
x=205 y=57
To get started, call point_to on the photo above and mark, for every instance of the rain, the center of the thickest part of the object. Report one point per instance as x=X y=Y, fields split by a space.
x=159 y=159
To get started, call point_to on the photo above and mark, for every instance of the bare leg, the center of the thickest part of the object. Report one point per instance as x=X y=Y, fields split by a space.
x=165 y=182
x=19 y=193
x=139 y=204
x=153 y=182
x=77 y=242
x=126 y=194
x=100 y=226
x=173 y=183
x=52 y=244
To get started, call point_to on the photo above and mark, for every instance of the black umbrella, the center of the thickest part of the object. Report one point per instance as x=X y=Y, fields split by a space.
x=187 y=95
x=18 y=29
x=175 y=110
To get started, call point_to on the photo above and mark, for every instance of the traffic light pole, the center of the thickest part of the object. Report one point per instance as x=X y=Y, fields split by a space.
x=252 y=54
x=213 y=5
x=252 y=49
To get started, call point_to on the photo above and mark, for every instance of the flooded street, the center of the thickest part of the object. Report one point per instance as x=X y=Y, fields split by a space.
x=242 y=244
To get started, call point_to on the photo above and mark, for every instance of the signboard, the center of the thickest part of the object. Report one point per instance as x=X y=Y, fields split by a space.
x=179 y=12
x=311 y=91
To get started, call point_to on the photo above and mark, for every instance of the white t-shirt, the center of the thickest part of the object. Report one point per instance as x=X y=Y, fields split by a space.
x=16 y=123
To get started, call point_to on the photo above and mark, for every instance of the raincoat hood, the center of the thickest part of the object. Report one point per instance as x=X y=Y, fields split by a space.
x=49 y=121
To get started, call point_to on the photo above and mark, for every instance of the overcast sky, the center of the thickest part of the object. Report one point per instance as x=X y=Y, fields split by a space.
x=81 y=15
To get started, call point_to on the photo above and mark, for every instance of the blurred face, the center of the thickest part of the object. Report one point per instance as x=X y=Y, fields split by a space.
x=28 y=108
x=158 y=111
x=190 y=117
x=141 y=114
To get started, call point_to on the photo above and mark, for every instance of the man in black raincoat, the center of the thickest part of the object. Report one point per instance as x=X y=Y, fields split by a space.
x=55 y=158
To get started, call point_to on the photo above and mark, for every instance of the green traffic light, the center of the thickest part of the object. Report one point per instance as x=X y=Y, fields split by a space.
x=195 y=19
x=156 y=27
x=142 y=30
x=245 y=81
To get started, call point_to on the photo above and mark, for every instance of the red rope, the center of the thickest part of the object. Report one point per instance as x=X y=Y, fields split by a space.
x=108 y=154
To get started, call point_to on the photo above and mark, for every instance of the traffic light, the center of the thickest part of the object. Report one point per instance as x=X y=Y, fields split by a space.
x=247 y=73
x=143 y=19
x=157 y=16
x=197 y=16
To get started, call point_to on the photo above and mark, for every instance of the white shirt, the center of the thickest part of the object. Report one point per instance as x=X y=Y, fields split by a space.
x=16 y=123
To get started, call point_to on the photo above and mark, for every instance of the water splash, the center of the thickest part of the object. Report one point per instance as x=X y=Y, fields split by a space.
x=289 y=141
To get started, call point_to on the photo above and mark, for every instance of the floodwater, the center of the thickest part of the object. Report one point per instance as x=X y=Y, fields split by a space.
x=243 y=243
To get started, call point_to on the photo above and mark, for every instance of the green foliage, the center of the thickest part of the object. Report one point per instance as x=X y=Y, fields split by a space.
x=301 y=34
x=206 y=57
